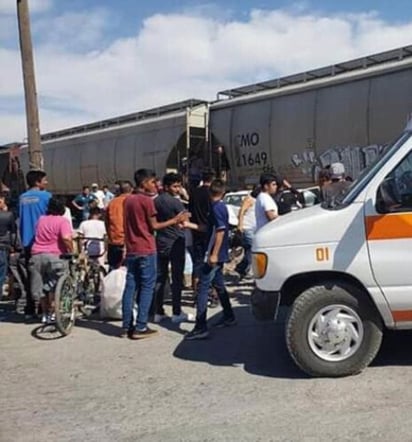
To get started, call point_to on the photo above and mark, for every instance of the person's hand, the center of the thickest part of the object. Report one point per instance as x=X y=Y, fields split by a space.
x=240 y=228
x=212 y=260
x=181 y=217
x=286 y=184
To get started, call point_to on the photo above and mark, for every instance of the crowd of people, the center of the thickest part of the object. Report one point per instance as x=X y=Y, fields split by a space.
x=149 y=227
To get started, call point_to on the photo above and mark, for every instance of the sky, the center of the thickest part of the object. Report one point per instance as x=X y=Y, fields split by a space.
x=96 y=59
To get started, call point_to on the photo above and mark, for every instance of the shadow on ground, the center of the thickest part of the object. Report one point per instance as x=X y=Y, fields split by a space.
x=8 y=312
x=258 y=347
x=47 y=332
x=395 y=349
x=103 y=327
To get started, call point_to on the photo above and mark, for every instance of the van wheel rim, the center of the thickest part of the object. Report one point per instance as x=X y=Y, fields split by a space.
x=335 y=333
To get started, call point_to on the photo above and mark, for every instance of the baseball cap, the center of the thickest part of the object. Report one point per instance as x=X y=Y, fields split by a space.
x=337 y=170
x=94 y=185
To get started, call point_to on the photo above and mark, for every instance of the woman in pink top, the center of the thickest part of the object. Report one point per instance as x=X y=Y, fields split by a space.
x=53 y=237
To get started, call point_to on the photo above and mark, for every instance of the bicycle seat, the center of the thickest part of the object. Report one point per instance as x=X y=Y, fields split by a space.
x=68 y=256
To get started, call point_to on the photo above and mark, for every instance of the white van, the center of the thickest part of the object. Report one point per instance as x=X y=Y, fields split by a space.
x=346 y=272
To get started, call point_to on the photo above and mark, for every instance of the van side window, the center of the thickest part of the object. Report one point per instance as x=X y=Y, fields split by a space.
x=395 y=192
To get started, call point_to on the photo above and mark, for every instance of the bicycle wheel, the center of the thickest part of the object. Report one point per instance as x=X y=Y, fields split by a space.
x=93 y=286
x=64 y=304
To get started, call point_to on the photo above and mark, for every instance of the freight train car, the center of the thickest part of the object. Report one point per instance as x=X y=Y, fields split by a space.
x=293 y=125
x=113 y=149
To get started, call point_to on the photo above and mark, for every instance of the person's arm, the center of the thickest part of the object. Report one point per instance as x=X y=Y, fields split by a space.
x=194 y=226
x=214 y=255
x=183 y=194
x=299 y=196
x=12 y=228
x=220 y=224
x=270 y=207
x=156 y=225
x=76 y=205
x=68 y=243
x=104 y=237
x=159 y=225
x=80 y=229
x=271 y=215
x=107 y=218
x=246 y=204
x=66 y=235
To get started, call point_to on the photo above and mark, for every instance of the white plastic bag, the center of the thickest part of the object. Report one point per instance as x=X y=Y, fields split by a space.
x=111 y=300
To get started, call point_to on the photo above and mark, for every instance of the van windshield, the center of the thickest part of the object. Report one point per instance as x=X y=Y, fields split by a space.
x=367 y=174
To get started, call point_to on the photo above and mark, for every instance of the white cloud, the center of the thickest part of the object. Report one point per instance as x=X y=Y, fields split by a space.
x=73 y=31
x=14 y=123
x=179 y=56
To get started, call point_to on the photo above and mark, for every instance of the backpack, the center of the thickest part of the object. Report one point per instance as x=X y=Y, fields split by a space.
x=285 y=200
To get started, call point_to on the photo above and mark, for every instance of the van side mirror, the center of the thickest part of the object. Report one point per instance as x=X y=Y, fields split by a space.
x=387 y=197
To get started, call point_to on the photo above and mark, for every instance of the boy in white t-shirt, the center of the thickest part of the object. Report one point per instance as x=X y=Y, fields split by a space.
x=95 y=228
x=266 y=208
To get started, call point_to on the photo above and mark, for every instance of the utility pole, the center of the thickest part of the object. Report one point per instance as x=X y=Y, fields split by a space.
x=32 y=113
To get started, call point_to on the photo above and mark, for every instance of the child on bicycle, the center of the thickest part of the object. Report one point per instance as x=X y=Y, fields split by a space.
x=94 y=232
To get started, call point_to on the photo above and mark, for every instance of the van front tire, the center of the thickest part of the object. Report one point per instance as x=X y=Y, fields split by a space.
x=333 y=330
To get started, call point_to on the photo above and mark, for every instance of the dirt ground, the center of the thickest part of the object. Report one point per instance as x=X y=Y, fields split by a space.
x=240 y=385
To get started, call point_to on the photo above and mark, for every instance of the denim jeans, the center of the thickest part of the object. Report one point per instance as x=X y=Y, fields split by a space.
x=247 y=239
x=199 y=249
x=211 y=276
x=140 y=280
x=4 y=264
x=30 y=308
x=176 y=257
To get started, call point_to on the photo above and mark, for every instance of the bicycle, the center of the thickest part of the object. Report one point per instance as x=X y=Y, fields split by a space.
x=94 y=274
x=67 y=293
x=79 y=288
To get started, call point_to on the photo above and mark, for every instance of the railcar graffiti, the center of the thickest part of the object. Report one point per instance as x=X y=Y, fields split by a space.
x=354 y=158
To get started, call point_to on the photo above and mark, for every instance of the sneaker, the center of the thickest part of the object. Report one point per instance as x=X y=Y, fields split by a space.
x=183 y=317
x=44 y=319
x=225 y=322
x=249 y=275
x=142 y=334
x=212 y=303
x=51 y=318
x=124 y=333
x=159 y=318
x=197 y=333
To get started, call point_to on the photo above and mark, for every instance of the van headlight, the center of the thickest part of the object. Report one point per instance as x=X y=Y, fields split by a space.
x=259 y=264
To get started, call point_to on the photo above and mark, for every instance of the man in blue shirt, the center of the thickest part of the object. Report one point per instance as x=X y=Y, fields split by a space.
x=32 y=204
x=108 y=196
x=212 y=270
x=82 y=204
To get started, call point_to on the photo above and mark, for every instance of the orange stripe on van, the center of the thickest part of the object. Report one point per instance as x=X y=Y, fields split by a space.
x=402 y=315
x=393 y=226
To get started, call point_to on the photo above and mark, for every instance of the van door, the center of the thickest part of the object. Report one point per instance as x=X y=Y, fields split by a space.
x=388 y=224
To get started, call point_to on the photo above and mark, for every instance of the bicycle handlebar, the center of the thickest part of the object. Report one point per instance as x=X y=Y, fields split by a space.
x=89 y=238
x=86 y=239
